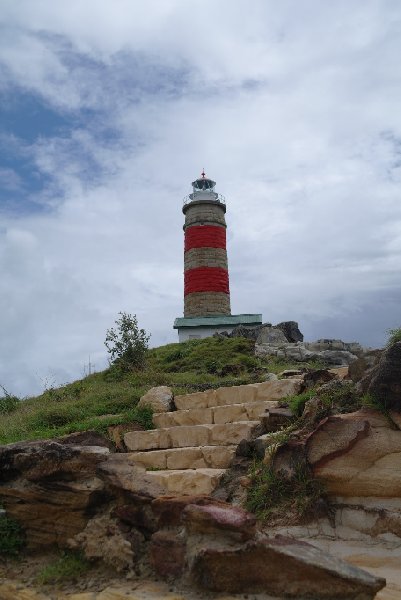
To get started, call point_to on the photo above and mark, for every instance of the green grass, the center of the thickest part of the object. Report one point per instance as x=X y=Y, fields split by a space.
x=275 y=497
x=297 y=402
x=68 y=568
x=11 y=537
x=110 y=397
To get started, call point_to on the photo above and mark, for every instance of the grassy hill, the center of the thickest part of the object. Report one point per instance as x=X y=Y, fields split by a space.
x=110 y=397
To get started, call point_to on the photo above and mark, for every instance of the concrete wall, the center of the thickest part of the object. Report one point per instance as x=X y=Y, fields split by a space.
x=189 y=333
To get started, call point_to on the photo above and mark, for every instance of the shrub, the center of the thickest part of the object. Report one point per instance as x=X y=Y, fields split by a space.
x=8 y=403
x=127 y=345
x=11 y=537
x=297 y=403
x=394 y=336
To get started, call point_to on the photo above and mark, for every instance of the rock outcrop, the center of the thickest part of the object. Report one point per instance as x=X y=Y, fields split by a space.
x=330 y=352
x=51 y=489
x=383 y=381
x=283 y=567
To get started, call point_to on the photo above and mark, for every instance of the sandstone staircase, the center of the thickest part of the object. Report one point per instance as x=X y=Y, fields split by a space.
x=191 y=447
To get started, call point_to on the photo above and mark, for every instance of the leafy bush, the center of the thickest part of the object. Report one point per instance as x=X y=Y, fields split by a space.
x=8 y=403
x=69 y=567
x=394 y=336
x=127 y=345
x=11 y=537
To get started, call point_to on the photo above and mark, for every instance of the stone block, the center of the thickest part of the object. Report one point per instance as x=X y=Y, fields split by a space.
x=185 y=458
x=188 y=482
x=229 y=413
x=155 y=459
x=218 y=457
x=277 y=390
x=189 y=435
x=255 y=410
x=239 y=394
x=197 y=400
x=147 y=440
x=231 y=433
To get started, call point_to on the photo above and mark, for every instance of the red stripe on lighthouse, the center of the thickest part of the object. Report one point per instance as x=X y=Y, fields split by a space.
x=206 y=279
x=205 y=236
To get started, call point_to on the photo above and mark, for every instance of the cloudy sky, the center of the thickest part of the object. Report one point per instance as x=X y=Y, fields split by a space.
x=110 y=108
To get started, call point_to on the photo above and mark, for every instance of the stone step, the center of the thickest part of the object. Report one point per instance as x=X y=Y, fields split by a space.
x=206 y=457
x=229 y=413
x=185 y=436
x=240 y=394
x=187 y=482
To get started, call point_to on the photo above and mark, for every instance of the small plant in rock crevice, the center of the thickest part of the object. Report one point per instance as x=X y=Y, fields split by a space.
x=277 y=498
x=68 y=568
x=11 y=537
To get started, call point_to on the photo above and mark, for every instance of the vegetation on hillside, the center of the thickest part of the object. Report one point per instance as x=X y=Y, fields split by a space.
x=110 y=397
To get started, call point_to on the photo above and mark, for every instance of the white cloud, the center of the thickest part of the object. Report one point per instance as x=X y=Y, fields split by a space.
x=293 y=109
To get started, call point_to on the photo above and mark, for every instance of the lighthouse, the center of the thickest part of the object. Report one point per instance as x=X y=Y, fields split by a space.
x=207 y=308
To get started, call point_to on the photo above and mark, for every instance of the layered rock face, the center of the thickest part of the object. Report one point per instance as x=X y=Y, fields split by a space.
x=383 y=381
x=50 y=488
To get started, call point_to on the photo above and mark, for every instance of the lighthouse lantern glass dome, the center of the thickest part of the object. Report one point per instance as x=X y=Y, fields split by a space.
x=203 y=185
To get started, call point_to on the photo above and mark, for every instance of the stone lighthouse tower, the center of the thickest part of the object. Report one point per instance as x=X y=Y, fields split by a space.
x=206 y=286
x=206 y=281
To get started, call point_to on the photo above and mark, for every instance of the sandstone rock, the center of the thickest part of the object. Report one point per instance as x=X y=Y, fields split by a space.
x=384 y=381
x=284 y=567
x=86 y=438
x=334 y=436
x=291 y=331
x=168 y=554
x=357 y=455
x=358 y=368
x=219 y=518
x=140 y=516
x=102 y=538
x=313 y=409
x=159 y=399
x=169 y=509
x=51 y=488
x=341 y=373
x=10 y=590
